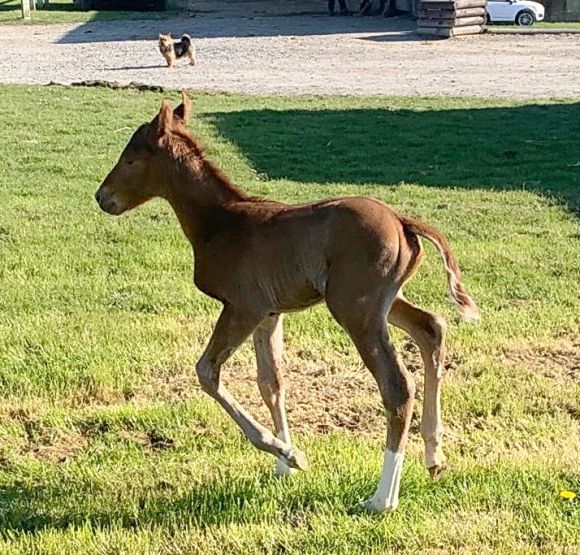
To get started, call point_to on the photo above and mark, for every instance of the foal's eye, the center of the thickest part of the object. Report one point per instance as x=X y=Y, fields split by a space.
x=129 y=162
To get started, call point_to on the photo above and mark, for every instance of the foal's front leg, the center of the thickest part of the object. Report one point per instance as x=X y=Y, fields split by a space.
x=269 y=346
x=232 y=328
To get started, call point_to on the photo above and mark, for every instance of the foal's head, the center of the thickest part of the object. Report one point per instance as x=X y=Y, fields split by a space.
x=143 y=169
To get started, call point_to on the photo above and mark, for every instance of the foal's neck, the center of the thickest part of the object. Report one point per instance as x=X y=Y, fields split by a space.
x=198 y=191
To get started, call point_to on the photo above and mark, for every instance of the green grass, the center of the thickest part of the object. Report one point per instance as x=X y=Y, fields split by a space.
x=547 y=25
x=558 y=25
x=107 y=444
x=64 y=11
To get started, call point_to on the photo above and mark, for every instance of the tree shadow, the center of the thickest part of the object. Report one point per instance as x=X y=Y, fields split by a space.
x=532 y=147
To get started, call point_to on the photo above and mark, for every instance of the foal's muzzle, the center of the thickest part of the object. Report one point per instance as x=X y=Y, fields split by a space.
x=108 y=203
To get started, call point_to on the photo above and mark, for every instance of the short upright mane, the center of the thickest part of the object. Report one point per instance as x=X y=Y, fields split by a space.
x=183 y=145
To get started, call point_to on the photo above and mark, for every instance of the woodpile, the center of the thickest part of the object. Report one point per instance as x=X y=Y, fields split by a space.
x=450 y=18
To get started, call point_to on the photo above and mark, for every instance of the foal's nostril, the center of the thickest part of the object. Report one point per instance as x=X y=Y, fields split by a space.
x=98 y=196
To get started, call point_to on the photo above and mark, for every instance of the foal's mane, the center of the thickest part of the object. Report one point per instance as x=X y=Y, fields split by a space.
x=186 y=147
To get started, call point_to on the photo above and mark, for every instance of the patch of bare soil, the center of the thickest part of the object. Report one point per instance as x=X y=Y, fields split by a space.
x=46 y=443
x=326 y=397
x=321 y=396
x=251 y=47
x=152 y=439
x=561 y=363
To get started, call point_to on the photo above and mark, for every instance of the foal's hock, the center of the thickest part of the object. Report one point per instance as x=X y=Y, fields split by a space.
x=263 y=258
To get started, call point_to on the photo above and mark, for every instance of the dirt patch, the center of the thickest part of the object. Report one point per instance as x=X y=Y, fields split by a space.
x=561 y=363
x=260 y=52
x=46 y=443
x=323 y=398
x=152 y=439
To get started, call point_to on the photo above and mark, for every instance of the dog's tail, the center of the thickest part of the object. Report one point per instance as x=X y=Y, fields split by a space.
x=186 y=39
x=464 y=303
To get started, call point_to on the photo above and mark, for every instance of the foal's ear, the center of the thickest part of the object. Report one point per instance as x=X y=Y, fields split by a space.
x=183 y=111
x=164 y=119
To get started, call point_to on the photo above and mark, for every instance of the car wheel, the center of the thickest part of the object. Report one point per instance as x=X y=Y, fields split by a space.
x=525 y=18
x=487 y=19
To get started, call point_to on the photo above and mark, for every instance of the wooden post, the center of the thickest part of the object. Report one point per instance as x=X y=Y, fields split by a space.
x=25 y=9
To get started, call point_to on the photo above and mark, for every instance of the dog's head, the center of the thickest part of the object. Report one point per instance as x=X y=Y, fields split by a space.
x=165 y=41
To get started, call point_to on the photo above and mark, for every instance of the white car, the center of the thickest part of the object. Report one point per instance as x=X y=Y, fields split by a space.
x=520 y=12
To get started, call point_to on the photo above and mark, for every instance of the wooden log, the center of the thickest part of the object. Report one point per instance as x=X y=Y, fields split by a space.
x=468 y=30
x=445 y=32
x=25 y=9
x=461 y=22
x=457 y=4
x=451 y=14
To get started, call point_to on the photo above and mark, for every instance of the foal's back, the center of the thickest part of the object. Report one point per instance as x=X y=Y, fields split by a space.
x=288 y=254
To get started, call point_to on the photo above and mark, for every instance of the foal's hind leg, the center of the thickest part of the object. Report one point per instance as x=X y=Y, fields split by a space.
x=365 y=322
x=269 y=346
x=428 y=330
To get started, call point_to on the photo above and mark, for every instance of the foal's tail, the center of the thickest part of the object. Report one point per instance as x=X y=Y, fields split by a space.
x=464 y=303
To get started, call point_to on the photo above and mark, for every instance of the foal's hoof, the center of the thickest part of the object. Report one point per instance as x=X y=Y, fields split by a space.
x=437 y=470
x=282 y=470
x=296 y=459
x=375 y=507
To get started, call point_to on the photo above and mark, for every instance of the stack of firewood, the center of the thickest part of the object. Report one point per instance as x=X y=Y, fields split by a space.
x=451 y=18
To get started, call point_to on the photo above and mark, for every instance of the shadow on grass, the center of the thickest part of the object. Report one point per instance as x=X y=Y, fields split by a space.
x=236 y=500
x=528 y=147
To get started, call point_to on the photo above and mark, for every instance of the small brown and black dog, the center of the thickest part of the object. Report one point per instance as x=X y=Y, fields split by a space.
x=173 y=50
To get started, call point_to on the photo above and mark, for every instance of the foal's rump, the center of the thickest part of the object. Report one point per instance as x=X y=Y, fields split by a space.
x=374 y=248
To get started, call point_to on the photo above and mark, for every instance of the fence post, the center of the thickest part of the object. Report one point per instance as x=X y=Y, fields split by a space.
x=25 y=9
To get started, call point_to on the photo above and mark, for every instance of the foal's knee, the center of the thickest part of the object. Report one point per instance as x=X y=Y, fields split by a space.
x=207 y=376
x=399 y=395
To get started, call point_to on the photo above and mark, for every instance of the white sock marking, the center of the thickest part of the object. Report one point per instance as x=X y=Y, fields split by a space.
x=282 y=469
x=386 y=497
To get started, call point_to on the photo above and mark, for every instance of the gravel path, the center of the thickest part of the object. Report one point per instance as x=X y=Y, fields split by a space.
x=301 y=54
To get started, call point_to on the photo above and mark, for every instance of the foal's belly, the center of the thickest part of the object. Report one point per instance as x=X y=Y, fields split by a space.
x=287 y=293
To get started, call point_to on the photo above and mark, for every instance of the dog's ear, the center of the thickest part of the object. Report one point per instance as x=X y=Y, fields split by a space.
x=183 y=111
x=161 y=125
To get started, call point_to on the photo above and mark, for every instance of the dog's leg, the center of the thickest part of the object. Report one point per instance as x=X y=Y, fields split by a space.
x=191 y=55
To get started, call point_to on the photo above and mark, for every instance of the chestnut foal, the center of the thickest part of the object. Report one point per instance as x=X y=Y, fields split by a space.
x=263 y=258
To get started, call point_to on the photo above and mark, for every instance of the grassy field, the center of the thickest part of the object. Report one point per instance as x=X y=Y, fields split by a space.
x=557 y=25
x=63 y=11
x=107 y=444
